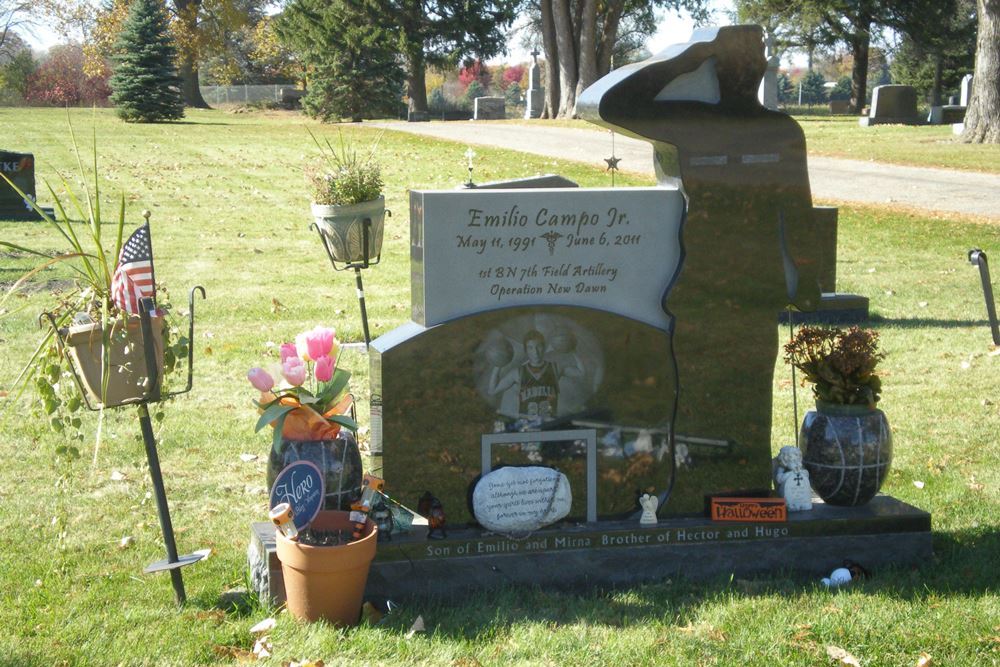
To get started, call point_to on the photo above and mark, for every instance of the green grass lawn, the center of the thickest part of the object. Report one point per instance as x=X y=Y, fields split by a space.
x=230 y=212
x=842 y=137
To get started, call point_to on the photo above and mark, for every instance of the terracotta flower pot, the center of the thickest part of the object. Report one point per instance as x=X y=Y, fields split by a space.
x=343 y=226
x=327 y=582
x=128 y=380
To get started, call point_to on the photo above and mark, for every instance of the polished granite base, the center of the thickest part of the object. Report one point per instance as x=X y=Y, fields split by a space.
x=884 y=532
x=834 y=308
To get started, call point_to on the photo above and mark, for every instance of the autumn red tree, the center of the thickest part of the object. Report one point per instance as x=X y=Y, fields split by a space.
x=61 y=81
x=476 y=71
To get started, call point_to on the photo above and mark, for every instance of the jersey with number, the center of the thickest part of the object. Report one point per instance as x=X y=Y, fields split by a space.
x=538 y=393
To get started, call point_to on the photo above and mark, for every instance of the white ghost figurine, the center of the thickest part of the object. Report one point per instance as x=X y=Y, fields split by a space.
x=649 y=504
x=792 y=480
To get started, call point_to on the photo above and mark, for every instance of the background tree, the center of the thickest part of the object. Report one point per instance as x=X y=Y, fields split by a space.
x=982 y=119
x=841 y=91
x=145 y=85
x=13 y=14
x=937 y=45
x=16 y=68
x=813 y=88
x=581 y=38
x=353 y=70
x=786 y=91
x=61 y=81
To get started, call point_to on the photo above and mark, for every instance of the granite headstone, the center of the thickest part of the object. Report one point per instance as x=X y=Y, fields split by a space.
x=892 y=104
x=489 y=108
x=966 y=91
x=536 y=93
x=20 y=169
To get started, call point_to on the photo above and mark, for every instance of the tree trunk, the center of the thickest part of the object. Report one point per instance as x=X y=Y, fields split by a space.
x=416 y=82
x=588 y=48
x=859 y=75
x=936 y=87
x=609 y=36
x=982 y=119
x=565 y=43
x=551 y=61
x=187 y=14
x=189 y=84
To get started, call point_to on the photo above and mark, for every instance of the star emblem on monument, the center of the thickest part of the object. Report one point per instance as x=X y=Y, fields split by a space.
x=612 y=163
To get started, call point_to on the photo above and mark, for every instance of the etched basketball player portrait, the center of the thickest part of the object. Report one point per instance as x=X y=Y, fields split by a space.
x=537 y=369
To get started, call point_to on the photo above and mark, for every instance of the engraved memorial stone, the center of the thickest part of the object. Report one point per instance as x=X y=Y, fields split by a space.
x=966 y=91
x=517 y=499
x=536 y=93
x=489 y=108
x=892 y=104
x=20 y=169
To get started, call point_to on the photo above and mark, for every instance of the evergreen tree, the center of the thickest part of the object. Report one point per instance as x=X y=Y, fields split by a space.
x=353 y=67
x=145 y=86
x=813 y=91
x=786 y=91
x=842 y=91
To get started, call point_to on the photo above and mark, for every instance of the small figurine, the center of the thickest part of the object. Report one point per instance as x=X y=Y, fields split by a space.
x=282 y=516
x=359 y=518
x=649 y=504
x=792 y=480
x=382 y=516
x=844 y=575
x=431 y=508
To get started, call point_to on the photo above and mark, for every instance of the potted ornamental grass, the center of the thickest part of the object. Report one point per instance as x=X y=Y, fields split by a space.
x=95 y=343
x=347 y=201
x=846 y=442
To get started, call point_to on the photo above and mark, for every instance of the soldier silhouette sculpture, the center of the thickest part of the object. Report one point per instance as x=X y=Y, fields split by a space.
x=752 y=240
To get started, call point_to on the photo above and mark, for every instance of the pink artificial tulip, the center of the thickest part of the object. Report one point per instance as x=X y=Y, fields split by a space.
x=294 y=370
x=324 y=368
x=288 y=350
x=319 y=342
x=260 y=379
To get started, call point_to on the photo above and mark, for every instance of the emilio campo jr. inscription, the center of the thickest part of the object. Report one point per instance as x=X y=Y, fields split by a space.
x=612 y=249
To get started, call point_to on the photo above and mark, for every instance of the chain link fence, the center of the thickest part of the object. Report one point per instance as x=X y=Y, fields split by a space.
x=247 y=94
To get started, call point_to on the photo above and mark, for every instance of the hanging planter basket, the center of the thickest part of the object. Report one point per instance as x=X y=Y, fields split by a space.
x=128 y=380
x=344 y=230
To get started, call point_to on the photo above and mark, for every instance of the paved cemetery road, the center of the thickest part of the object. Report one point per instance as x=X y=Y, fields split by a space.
x=943 y=190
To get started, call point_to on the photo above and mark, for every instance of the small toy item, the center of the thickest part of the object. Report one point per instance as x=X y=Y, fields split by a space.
x=649 y=504
x=382 y=516
x=282 y=516
x=359 y=518
x=430 y=507
x=845 y=575
x=370 y=485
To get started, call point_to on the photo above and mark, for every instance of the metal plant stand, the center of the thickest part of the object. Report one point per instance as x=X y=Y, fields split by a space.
x=357 y=266
x=172 y=562
x=978 y=258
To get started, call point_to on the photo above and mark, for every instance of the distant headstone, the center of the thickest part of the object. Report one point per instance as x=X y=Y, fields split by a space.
x=19 y=168
x=489 y=108
x=945 y=115
x=536 y=93
x=840 y=107
x=768 y=91
x=893 y=104
x=966 y=91
x=517 y=499
x=417 y=116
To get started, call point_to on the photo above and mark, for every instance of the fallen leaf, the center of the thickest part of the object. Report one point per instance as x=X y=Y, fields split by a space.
x=922 y=304
x=277 y=306
x=262 y=648
x=418 y=626
x=987 y=402
x=924 y=660
x=966 y=365
x=247 y=458
x=117 y=476
x=233 y=652
x=370 y=614
x=842 y=657
x=126 y=542
x=304 y=663
x=263 y=626
x=38 y=583
x=917 y=483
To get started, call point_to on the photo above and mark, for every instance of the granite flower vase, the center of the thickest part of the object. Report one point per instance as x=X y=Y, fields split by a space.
x=847 y=450
x=343 y=228
x=337 y=458
x=327 y=582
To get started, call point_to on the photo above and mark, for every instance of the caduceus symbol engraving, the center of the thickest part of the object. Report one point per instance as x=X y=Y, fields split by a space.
x=551 y=238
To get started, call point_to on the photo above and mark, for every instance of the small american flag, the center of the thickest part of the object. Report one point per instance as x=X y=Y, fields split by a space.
x=133 y=278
